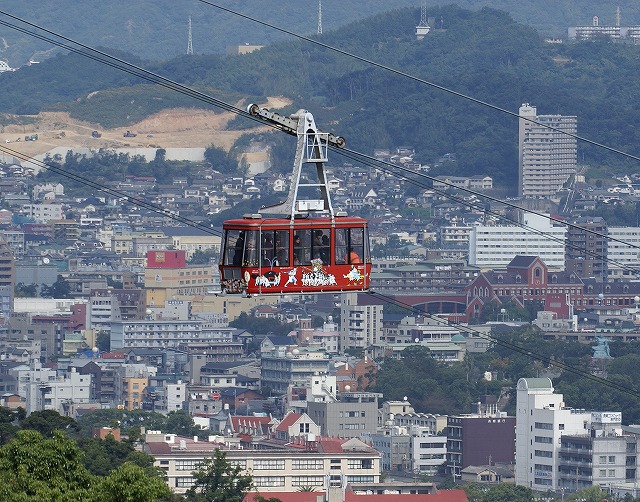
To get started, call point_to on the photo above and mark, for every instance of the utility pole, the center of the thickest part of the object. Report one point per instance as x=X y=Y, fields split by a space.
x=190 y=41
x=319 y=17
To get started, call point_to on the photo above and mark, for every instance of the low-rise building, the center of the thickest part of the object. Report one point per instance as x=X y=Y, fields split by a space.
x=318 y=462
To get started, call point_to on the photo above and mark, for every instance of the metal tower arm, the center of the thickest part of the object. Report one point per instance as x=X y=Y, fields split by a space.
x=311 y=148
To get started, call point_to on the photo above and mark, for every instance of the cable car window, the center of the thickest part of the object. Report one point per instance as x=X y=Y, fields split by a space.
x=350 y=246
x=321 y=245
x=268 y=249
x=275 y=248
x=341 y=245
x=250 y=256
x=233 y=247
x=302 y=247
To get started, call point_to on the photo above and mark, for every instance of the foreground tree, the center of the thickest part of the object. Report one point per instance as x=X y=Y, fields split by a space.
x=219 y=481
x=130 y=483
x=48 y=421
x=37 y=468
x=499 y=493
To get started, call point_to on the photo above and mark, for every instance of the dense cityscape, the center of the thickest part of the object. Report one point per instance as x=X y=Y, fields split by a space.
x=454 y=338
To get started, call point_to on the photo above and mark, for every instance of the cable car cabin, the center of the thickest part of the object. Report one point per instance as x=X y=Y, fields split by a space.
x=311 y=255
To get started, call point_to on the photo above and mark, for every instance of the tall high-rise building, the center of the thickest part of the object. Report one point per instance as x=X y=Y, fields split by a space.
x=547 y=157
x=7 y=281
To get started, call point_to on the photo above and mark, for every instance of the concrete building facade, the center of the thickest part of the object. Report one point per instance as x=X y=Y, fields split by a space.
x=541 y=420
x=495 y=246
x=547 y=154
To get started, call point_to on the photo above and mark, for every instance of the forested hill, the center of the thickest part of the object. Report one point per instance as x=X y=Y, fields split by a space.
x=484 y=54
x=157 y=29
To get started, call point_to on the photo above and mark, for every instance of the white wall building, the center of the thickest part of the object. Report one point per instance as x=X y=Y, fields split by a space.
x=360 y=321
x=541 y=419
x=43 y=213
x=59 y=394
x=429 y=452
x=623 y=257
x=163 y=334
x=493 y=247
x=547 y=155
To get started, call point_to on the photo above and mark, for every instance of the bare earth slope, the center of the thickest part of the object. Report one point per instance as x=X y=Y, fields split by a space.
x=171 y=128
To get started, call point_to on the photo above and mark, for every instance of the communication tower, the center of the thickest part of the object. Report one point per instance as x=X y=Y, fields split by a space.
x=423 y=27
x=190 y=41
x=319 y=17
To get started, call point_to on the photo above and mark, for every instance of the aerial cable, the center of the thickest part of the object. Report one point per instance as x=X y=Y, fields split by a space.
x=165 y=82
x=414 y=78
x=204 y=97
x=474 y=205
x=111 y=191
x=511 y=346
x=358 y=155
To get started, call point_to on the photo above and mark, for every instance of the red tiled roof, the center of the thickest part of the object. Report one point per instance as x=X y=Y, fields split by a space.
x=288 y=421
x=286 y=496
x=248 y=424
x=330 y=445
x=441 y=496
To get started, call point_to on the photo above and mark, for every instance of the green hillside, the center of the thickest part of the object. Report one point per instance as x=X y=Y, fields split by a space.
x=483 y=54
x=157 y=29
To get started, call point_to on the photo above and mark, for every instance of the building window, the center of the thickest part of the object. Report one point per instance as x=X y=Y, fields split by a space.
x=188 y=465
x=359 y=479
x=307 y=480
x=307 y=464
x=365 y=463
x=184 y=482
x=264 y=464
x=268 y=480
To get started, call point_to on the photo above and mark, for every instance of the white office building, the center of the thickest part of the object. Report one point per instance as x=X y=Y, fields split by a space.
x=541 y=419
x=360 y=321
x=429 y=452
x=492 y=247
x=623 y=258
x=547 y=154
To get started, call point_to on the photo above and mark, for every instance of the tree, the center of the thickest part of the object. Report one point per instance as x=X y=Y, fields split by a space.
x=48 y=421
x=220 y=160
x=219 y=481
x=591 y=494
x=180 y=422
x=502 y=492
x=203 y=257
x=103 y=456
x=22 y=290
x=37 y=468
x=103 y=341
x=130 y=483
x=59 y=289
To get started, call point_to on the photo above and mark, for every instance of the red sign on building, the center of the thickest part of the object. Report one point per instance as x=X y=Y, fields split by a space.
x=166 y=259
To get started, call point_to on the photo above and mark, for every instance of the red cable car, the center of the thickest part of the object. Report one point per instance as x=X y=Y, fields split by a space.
x=309 y=248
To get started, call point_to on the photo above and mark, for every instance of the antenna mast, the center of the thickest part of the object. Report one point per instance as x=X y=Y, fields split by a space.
x=319 y=17
x=423 y=27
x=190 y=42
x=618 y=16
x=423 y=13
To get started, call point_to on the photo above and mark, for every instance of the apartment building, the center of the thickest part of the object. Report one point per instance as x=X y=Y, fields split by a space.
x=360 y=320
x=547 y=152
